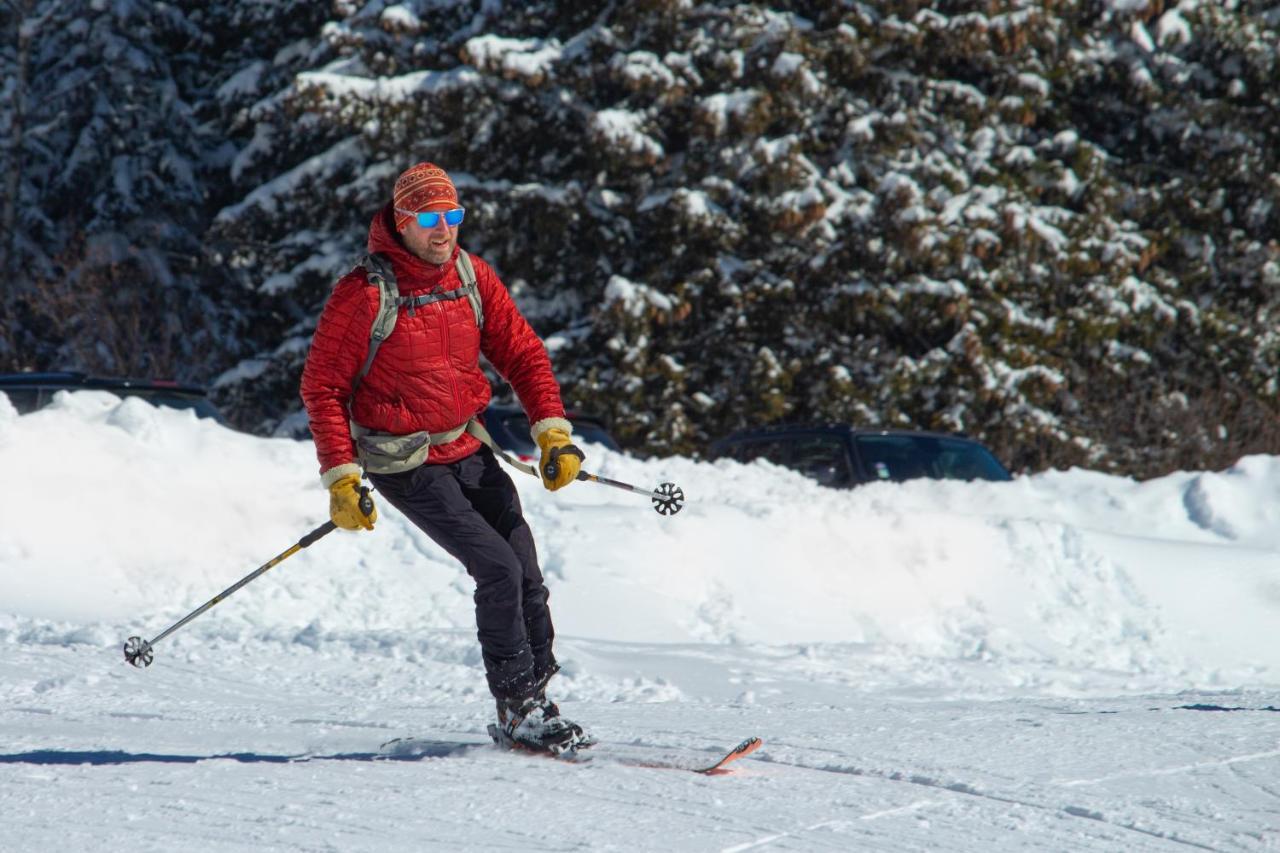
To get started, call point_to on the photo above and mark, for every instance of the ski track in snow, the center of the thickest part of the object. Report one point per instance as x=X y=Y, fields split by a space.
x=1066 y=662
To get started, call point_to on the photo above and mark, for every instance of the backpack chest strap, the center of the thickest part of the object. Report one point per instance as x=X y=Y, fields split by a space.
x=413 y=302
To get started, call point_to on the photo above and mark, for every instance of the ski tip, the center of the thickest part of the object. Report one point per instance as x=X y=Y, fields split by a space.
x=742 y=750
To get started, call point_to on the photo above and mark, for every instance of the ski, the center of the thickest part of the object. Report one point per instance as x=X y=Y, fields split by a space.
x=742 y=750
x=614 y=756
x=718 y=768
x=410 y=748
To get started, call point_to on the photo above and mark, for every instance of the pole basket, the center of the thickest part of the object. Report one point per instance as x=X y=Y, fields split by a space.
x=668 y=499
x=138 y=652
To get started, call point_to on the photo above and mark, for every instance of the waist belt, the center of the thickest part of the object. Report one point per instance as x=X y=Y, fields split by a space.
x=387 y=453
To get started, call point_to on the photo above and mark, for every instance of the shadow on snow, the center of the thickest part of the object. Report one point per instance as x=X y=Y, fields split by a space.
x=103 y=757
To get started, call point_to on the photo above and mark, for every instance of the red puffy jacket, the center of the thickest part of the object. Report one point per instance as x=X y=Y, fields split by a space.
x=426 y=375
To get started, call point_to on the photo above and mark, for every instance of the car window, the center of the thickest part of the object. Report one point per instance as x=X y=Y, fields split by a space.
x=584 y=430
x=968 y=460
x=909 y=457
x=517 y=429
x=516 y=423
x=25 y=400
x=821 y=458
x=593 y=433
x=772 y=450
x=30 y=399
x=202 y=406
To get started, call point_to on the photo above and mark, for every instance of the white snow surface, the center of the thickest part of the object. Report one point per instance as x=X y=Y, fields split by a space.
x=1069 y=661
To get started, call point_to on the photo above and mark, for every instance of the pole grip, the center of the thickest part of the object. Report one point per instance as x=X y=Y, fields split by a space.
x=321 y=531
x=552 y=469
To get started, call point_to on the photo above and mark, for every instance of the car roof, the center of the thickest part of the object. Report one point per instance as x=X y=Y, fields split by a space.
x=505 y=409
x=76 y=379
x=837 y=428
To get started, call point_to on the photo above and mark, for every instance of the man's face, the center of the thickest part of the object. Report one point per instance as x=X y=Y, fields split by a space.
x=433 y=245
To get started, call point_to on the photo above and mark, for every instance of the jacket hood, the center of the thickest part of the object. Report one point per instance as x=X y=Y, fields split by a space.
x=412 y=273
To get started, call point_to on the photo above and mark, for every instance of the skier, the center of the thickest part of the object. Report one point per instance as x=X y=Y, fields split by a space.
x=410 y=418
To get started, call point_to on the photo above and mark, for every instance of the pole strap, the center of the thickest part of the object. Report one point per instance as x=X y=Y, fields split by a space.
x=475 y=428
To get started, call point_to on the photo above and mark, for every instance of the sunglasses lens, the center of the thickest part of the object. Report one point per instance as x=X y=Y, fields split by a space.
x=452 y=218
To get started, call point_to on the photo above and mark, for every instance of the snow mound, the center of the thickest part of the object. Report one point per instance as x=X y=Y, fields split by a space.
x=130 y=516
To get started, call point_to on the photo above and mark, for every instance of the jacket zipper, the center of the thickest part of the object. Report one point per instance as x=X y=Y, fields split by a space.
x=453 y=379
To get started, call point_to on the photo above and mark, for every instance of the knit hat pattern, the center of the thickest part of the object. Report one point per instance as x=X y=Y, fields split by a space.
x=423 y=187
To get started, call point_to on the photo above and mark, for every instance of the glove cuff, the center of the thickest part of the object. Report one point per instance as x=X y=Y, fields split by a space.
x=548 y=424
x=336 y=473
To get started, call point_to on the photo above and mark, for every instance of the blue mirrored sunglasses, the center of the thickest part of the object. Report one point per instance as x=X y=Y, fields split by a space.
x=428 y=219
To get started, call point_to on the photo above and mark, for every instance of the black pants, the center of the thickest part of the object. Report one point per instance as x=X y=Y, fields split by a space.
x=471 y=509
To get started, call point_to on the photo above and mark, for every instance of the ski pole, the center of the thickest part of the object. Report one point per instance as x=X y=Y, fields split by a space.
x=668 y=498
x=138 y=651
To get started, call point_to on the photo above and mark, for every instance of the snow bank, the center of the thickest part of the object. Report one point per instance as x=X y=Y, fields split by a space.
x=129 y=516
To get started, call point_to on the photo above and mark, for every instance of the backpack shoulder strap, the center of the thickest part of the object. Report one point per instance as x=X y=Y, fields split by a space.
x=382 y=275
x=379 y=272
x=467 y=272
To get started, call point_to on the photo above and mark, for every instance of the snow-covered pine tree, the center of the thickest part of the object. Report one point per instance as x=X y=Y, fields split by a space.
x=104 y=198
x=252 y=51
x=1000 y=217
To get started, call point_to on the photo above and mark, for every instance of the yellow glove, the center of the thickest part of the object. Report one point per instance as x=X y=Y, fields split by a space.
x=561 y=461
x=344 y=504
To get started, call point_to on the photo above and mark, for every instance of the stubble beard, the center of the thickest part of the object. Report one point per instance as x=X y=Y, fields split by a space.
x=439 y=254
x=424 y=246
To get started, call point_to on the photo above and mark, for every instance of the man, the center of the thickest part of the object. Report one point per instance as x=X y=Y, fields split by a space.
x=404 y=410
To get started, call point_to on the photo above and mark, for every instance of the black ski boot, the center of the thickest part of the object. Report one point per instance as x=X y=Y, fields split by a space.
x=536 y=725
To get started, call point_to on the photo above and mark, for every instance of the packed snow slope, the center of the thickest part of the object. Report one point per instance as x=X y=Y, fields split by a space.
x=932 y=665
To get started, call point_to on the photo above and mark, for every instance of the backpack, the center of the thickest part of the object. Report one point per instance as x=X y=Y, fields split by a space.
x=381 y=275
x=381 y=453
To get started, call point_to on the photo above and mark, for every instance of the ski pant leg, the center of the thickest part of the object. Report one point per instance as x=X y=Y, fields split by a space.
x=495 y=497
x=471 y=509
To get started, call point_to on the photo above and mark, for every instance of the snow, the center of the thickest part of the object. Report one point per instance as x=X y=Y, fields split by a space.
x=721 y=107
x=698 y=205
x=400 y=18
x=1069 y=661
x=311 y=171
x=1173 y=29
x=643 y=67
x=624 y=129
x=528 y=59
x=636 y=298
x=384 y=90
x=246 y=81
x=1129 y=5
x=1138 y=32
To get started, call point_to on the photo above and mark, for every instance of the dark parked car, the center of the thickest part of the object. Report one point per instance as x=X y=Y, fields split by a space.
x=842 y=456
x=31 y=391
x=509 y=427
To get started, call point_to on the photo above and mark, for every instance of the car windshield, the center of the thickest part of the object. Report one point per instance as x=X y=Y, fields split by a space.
x=584 y=430
x=909 y=457
x=590 y=433
x=200 y=405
